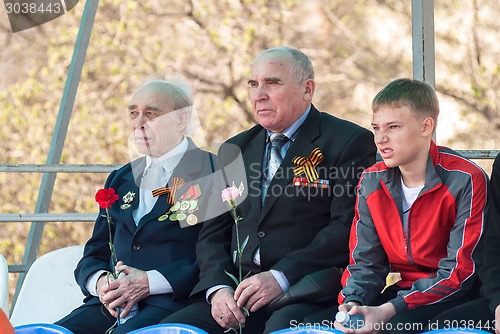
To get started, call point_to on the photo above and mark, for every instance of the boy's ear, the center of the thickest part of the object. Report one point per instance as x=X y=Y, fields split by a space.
x=428 y=126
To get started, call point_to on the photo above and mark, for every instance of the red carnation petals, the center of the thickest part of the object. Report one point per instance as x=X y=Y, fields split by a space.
x=106 y=197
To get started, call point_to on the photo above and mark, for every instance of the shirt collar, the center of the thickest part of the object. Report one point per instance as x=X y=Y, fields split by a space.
x=170 y=159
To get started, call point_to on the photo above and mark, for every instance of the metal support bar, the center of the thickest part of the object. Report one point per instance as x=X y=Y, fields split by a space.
x=423 y=41
x=59 y=135
x=65 y=168
x=47 y=217
x=479 y=154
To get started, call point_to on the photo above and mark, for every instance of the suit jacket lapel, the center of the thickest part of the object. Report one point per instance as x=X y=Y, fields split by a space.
x=301 y=146
x=254 y=157
x=130 y=183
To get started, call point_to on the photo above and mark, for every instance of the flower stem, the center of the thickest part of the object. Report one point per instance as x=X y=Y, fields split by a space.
x=114 y=259
x=240 y=253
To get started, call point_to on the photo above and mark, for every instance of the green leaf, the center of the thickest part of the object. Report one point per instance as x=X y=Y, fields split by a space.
x=235 y=254
x=244 y=243
x=245 y=310
x=231 y=330
x=232 y=277
x=248 y=274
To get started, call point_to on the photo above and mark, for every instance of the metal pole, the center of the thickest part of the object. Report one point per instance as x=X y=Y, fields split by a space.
x=60 y=130
x=423 y=41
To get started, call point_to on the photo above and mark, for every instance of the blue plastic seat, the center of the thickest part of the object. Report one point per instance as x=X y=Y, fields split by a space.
x=169 y=329
x=323 y=330
x=41 y=329
x=456 y=331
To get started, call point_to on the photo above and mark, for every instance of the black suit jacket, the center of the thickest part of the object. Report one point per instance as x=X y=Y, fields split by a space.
x=152 y=245
x=299 y=229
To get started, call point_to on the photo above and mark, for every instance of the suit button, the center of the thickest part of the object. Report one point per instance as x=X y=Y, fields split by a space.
x=261 y=234
x=137 y=247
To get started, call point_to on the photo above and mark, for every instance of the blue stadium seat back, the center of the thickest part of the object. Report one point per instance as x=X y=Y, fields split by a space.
x=457 y=331
x=41 y=329
x=169 y=329
x=324 y=330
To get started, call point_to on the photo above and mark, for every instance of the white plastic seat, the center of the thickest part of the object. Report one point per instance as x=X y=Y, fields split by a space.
x=49 y=291
x=4 y=285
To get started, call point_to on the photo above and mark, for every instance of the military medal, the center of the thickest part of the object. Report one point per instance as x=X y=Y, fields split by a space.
x=163 y=217
x=175 y=207
x=191 y=219
x=184 y=206
x=127 y=199
x=183 y=209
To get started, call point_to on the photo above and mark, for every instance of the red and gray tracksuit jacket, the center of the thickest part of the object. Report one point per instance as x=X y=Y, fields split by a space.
x=435 y=251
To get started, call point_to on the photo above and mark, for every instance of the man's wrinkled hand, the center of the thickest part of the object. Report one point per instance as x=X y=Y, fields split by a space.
x=131 y=286
x=257 y=291
x=103 y=287
x=224 y=309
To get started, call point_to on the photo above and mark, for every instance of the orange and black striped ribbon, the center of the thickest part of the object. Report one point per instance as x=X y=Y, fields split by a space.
x=308 y=165
x=171 y=190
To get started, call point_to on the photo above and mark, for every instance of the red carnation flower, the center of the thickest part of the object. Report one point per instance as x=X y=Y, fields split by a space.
x=106 y=197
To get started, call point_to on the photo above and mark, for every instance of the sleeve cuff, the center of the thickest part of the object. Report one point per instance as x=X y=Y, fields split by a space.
x=354 y=298
x=213 y=289
x=158 y=284
x=91 y=284
x=281 y=279
x=399 y=304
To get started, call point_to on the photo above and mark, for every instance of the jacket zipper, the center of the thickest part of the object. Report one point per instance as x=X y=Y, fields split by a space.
x=407 y=238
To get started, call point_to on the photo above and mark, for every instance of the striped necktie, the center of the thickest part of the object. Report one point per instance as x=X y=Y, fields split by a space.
x=275 y=159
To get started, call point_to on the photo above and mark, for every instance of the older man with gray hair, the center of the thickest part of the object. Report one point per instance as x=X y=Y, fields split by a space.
x=302 y=168
x=154 y=222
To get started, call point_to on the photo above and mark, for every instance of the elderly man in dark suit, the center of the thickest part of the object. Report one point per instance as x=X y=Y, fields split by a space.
x=155 y=221
x=302 y=167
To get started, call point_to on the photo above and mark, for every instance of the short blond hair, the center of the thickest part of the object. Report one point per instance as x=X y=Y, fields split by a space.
x=419 y=96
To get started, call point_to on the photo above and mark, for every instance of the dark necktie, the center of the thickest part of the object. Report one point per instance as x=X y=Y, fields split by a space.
x=275 y=159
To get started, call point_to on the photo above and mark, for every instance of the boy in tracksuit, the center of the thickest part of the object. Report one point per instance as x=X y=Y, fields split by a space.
x=419 y=212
